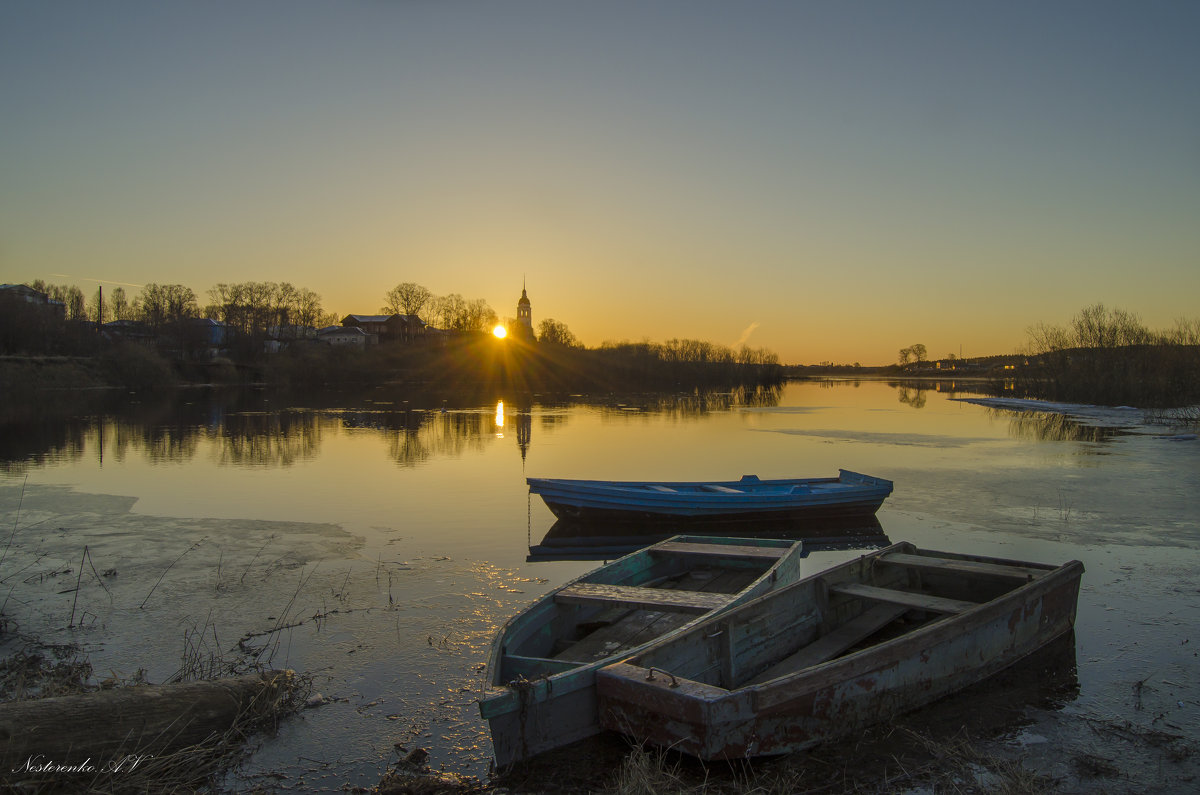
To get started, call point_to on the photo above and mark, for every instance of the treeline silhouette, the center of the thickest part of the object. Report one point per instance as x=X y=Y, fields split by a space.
x=264 y=340
x=1108 y=357
x=471 y=359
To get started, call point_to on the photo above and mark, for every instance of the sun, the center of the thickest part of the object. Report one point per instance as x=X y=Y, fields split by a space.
x=500 y=331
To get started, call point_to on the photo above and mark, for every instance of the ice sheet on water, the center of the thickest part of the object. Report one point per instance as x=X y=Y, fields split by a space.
x=1127 y=417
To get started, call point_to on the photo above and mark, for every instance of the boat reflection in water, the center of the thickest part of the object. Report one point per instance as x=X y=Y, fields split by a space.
x=569 y=540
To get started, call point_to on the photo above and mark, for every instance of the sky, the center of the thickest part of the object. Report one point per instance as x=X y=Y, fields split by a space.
x=830 y=181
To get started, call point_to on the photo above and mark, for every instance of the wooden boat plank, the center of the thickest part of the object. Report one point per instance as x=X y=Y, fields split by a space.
x=829 y=646
x=630 y=632
x=638 y=626
x=724 y=581
x=645 y=598
x=963 y=566
x=530 y=667
x=723 y=550
x=937 y=604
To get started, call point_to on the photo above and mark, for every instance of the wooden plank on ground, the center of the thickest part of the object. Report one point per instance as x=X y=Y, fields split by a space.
x=644 y=598
x=829 y=646
x=963 y=566
x=936 y=604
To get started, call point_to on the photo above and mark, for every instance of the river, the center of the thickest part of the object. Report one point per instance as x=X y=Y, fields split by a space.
x=377 y=541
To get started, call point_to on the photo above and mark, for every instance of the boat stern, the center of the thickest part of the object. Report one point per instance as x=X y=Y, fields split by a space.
x=653 y=706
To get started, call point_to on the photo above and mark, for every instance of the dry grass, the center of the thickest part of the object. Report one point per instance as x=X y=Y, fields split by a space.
x=41 y=671
x=37 y=670
x=198 y=767
x=886 y=760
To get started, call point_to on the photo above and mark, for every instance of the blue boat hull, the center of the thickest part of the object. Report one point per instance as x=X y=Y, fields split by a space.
x=749 y=499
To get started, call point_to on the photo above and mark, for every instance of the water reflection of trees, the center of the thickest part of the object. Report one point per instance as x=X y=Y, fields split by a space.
x=913 y=396
x=36 y=443
x=164 y=443
x=268 y=438
x=244 y=431
x=693 y=405
x=441 y=434
x=1051 y=427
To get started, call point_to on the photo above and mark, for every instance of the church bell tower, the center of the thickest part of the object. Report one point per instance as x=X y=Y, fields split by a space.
x=524 y=315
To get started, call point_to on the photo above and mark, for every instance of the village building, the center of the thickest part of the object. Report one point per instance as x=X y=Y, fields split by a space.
x=344 y=335
x=20 y=292
x=387 y=328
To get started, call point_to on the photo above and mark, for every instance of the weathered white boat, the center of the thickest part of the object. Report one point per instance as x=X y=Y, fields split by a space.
x=747 y=499
x=853 y=645
x=543 y=663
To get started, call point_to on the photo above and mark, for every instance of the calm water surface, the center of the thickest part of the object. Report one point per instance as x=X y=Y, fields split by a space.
x=378 y=543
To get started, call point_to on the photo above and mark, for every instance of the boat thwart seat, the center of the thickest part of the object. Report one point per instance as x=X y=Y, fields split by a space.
x=642 y=598
x=726 y=551
x=919 y=601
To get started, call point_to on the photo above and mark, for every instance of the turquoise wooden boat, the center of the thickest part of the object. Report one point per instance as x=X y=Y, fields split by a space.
x=543 y=663
x=748 y=499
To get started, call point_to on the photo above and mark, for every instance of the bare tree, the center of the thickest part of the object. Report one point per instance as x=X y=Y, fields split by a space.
x=306 y=308
x=552 y=331
x=120 y=304
x=160 y=304
x=446 y=311
x=915 y=353
x=406 y=298
x=479 y=316
x=455 y=313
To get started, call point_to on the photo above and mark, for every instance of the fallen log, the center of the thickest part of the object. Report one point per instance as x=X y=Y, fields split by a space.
x=107 y=725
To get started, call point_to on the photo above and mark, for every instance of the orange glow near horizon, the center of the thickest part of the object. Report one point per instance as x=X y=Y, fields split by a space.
x=500 y=331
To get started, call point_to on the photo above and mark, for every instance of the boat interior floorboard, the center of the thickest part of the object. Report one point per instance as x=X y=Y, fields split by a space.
x=833 y=644
x=630 y=632
x=633 y=628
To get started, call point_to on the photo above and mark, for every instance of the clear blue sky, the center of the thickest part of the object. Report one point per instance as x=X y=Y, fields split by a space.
x=833 y=181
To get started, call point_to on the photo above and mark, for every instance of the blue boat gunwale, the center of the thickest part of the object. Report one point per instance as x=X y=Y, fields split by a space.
x=747 y=486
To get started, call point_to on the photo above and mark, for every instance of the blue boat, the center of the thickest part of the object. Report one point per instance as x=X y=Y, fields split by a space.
x=749 y=499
